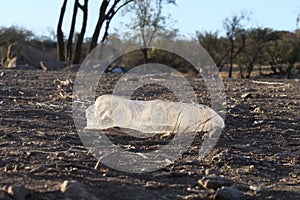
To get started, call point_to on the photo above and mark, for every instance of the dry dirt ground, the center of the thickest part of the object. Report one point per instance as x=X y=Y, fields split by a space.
x=257 y=153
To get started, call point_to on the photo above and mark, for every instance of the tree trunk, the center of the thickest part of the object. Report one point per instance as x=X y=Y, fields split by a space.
x=60 y=35
x=103 y=16
x=78 y=47
x=99 y=24
x=231 y=59
x=71 y=34
x=145 y=53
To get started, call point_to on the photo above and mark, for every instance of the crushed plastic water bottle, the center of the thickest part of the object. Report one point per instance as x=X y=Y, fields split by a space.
x=151 y=117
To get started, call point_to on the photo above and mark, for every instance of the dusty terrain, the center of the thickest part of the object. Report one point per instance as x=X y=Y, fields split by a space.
x=257 y=153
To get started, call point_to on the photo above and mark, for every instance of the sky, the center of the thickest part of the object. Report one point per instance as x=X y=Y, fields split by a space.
x=189 y=16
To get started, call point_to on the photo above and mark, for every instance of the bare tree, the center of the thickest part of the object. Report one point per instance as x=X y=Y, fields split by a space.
x=297 y=21
x=283 y=52
x=60 y=34
x=71 y=33
x=148 y=20
x=236 y=35
x=254 y=52
x=107 y=11
x=80 y=36
x=216 y=47
x=67 y=54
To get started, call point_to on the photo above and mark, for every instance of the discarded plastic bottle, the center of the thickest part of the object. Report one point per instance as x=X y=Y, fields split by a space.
x=151 y=117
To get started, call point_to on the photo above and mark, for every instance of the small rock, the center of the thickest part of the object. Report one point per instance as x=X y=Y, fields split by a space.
x=18 y=192
x=257 y=110
x=229 y=193
x=246 y=96
x=76 y=190
x=214 y=182
x=212 y=172
x=259 y=122
x=255 y=188
x=153 y=185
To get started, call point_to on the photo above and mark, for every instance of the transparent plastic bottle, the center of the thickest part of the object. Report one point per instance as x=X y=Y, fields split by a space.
x=151 y=117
